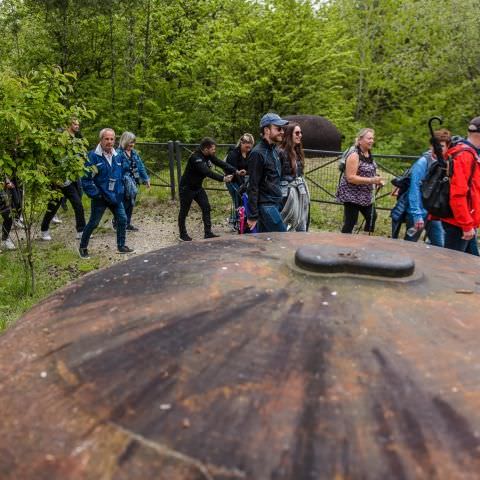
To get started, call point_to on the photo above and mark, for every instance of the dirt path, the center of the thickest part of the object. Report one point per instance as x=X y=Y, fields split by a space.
x=158 y=229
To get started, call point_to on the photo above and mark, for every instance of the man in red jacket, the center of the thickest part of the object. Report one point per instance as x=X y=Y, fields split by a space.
x=460 y=229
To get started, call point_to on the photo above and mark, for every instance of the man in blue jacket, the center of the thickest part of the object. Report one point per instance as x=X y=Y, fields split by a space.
x=417 y=218
x=265 y=170
x=103 y=183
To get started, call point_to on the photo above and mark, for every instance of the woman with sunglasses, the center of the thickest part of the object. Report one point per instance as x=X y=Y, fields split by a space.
x=296 y=197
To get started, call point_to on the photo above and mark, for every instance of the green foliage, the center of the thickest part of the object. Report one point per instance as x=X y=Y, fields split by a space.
x=35 y=153
x=170 y=69
x=55 y=266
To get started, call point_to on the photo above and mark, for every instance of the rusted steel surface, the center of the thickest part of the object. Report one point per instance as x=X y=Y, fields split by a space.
x=225 y=360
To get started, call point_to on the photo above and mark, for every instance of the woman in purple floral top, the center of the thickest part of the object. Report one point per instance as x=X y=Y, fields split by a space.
x=356 y=185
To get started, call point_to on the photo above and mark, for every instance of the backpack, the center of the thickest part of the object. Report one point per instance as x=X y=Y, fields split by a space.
x=435 y=187
x=402 y=181
x=341 y=163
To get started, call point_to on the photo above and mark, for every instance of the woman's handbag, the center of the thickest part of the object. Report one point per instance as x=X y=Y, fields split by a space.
x=131 y=188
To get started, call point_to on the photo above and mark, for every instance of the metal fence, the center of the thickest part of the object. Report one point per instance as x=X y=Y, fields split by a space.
x=166 y=162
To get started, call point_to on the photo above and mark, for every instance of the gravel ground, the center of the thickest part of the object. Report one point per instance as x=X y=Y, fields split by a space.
x=157 y=230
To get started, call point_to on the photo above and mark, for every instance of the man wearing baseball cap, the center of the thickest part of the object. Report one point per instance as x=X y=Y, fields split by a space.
x=460 y=229
x=265 y=169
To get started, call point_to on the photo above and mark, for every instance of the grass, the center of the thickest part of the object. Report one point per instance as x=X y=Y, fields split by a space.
x=55 y=266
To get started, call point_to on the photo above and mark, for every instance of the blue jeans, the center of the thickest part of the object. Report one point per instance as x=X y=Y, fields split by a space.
x=433 y=229
x=454 y=241
x=269 y=218
x=99 y=205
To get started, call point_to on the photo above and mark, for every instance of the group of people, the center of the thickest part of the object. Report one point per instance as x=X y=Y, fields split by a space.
x=357 y=186
x=270 y=173
x=278 y=198
x=459 y=230
x=112 y=178
x=111 y=182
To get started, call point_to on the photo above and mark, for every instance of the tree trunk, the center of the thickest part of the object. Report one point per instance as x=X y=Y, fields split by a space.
x=146 y=67
x=113 y=60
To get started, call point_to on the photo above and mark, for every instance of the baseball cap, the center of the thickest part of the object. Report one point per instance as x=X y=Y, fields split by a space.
x=474 y=125
x=272 y=119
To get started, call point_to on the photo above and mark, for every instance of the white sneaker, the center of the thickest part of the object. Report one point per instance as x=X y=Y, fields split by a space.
x=46 y=236
x=8 y=244
x=56 y=220
x=79 y=235
x=19 y=223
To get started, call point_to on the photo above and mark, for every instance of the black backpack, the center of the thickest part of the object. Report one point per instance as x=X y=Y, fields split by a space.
x=402 y=182
x=436 y=185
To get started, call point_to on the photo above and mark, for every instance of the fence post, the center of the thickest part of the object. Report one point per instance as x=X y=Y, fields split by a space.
x=171 y=164
x=178 y=157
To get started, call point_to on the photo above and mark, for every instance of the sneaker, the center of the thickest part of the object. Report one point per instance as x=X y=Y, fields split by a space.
x=83 y=252
x=79 y=235
x=19 y=223
x=185 y=238
x=125 y=249
x=46 y=236
x=56 y=220
x=211 y=235
x=8 y=244
x=132 y=228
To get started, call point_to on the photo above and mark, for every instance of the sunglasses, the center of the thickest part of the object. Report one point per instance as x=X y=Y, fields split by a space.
x=297 y=134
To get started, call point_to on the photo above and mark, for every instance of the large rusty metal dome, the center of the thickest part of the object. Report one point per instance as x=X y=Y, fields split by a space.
x=281 y=356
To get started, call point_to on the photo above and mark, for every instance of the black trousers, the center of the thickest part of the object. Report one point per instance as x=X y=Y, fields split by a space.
x=187 y=196
x=350 y=216
x=73 y=195
x=7 y=224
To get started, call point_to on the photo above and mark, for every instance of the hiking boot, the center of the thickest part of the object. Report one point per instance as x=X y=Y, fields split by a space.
x=45 y=236
x=132 y=228
x=83 y=252
x=56 y=220
x=8 y=244
x=185 y=237
x=125 y=249
x=211 y=235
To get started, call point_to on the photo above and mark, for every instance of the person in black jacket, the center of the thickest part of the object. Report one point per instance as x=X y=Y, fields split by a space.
x=238 y=158
x=265 y=172
x=198 y=168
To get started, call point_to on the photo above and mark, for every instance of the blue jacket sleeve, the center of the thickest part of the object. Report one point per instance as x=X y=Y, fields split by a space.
x=415 y=205
x=88 y=184
x=142 y=171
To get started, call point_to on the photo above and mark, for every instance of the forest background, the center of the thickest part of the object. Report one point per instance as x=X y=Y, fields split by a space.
x=182 y=69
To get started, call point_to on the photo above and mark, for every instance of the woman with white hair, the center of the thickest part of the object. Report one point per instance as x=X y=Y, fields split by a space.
x=134 y=174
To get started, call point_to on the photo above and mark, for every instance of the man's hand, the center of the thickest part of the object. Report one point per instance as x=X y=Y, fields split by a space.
x=468 y=235
x=241 y=173
x=251 y=224
x=147 y=183
x=227 y=178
